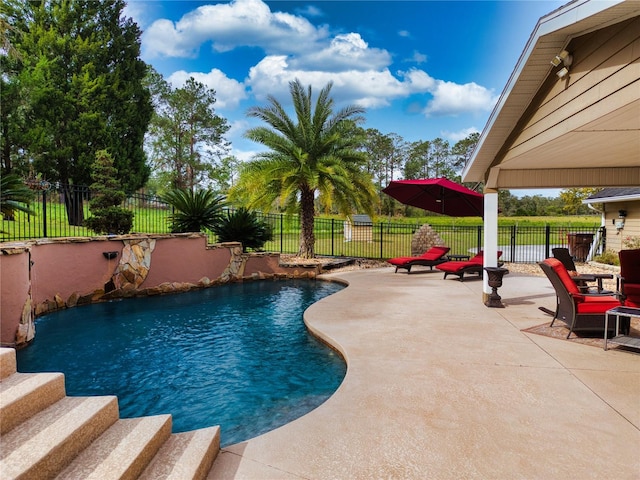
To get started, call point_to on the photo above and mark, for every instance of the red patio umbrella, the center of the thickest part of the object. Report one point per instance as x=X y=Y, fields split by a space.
x=438 y=195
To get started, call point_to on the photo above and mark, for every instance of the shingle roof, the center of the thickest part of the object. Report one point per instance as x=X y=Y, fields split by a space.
x=613 y=192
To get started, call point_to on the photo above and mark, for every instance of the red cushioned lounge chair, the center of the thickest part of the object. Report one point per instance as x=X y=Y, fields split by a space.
x=630 y=277
x=462 y=267
x=579 y=311
x=432 y=257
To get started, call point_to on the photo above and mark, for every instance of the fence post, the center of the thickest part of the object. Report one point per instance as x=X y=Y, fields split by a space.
x=332 y=234
x=381 y=233
x=44 y=213
x=513 y=243
x=547 y=240
x=479 y=240
x=281 y=233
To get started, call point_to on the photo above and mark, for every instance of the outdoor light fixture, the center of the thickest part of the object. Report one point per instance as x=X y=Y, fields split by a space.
x=619 y=224
x=563 y=57
x=563 y=72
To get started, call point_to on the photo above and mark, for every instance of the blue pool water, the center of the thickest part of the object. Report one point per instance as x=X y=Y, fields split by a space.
x=238 y=355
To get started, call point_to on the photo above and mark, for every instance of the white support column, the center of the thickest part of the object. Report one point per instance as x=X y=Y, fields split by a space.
x=490 y=236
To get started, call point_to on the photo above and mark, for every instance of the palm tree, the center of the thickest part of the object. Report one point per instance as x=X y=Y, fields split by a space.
x=317 y=153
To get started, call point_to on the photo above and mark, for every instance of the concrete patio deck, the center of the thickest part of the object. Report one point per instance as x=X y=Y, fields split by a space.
x=440 y=386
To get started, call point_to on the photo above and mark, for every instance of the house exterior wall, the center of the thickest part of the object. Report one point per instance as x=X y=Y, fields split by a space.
x=41 y=276
x=617 y=239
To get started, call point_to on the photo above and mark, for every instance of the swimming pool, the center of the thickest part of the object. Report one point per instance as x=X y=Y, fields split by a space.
x=237 y=355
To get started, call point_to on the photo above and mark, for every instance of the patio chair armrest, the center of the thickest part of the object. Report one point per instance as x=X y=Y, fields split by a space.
x=586 y=277
x=602 y=275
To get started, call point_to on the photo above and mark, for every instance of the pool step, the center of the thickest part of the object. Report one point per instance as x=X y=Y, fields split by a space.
x=185 y=455
x=7 y=362
x=123 y=451
x=46 y=434
x=22 y=395
x=46 y=443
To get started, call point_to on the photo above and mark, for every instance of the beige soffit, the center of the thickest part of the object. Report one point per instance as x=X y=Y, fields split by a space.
x=606 y=156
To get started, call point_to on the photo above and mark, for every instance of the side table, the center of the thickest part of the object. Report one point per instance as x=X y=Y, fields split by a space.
x=458 y=257
x=625 y=340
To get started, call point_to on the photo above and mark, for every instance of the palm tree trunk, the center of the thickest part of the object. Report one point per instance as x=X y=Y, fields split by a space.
x=307 y=213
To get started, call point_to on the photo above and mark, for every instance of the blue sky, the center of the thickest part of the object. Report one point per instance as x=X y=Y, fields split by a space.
x=422 y=69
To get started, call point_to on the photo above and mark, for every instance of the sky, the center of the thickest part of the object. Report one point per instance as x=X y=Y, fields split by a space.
x=421 y=69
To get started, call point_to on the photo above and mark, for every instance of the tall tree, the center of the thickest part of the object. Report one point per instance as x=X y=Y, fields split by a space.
x=462 y=150
x=11 y=113
x=418 y=157
x=440 y=159
x=81 y=76
x=572 y=200
x=385 y=156
x=317 y=152
x=186 y=137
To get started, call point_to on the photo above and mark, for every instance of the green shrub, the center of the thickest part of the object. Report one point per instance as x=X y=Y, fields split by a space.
x=194 y=211
x=245 y=227
x=608 y=257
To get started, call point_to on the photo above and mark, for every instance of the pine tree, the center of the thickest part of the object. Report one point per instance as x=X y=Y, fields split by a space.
x=108 y=217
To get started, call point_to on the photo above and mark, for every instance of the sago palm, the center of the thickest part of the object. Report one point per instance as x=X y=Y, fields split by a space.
x=15 y=196
x=317 y=153
x=194 y=211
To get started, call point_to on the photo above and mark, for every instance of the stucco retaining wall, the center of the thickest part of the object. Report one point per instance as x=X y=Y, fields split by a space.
x=45 y=275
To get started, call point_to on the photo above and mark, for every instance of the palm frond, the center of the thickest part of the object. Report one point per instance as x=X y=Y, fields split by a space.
x=15 y=196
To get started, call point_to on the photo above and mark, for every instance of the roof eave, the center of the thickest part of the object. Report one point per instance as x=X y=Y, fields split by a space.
x=620 y=198
x=567 y=18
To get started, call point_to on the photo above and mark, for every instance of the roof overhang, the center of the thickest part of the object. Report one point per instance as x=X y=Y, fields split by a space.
x=595 y=147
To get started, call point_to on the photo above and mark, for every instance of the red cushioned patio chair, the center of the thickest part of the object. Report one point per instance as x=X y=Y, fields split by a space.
x=581 y=280
x=462 y=267
x=432 y=257
x=630 y=277
x=579 y=311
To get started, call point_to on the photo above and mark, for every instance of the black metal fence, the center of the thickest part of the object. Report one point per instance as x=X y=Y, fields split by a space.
x=56 y=205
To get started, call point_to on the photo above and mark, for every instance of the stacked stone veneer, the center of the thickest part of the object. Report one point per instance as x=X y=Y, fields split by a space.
x=127 y=275
x=424 y=238
x=134 y=265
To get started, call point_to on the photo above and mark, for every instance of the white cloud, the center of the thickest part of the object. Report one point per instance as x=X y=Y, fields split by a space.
x=419 y=80
x=344 y=52
x=141 y=13
x=238 y=128
x=229 y=92
x=371 y=88
x=417 y=57
x=452 y=99
x=460 y=134
x=162 y=39
x=404 y=33
x=310 y=11
x=230 y=25
x=295 y=48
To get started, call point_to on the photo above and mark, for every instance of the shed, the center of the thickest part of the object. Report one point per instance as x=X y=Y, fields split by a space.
x=358 y=228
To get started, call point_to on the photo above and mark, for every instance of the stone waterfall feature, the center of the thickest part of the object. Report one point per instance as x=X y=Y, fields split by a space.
x=424 y=238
